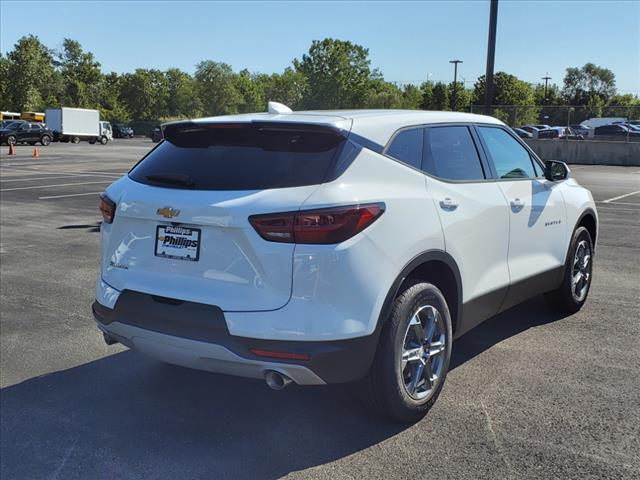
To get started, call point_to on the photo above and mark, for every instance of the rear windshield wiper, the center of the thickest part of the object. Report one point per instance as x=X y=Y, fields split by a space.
x=172 y=179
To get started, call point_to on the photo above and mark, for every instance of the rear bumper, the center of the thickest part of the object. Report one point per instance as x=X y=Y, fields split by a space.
x=196 y=336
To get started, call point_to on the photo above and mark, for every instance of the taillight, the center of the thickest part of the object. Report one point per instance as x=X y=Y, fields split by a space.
x=322 y=226
x=107 y=208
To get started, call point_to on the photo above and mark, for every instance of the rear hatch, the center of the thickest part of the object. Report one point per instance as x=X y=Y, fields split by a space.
x=181 y=228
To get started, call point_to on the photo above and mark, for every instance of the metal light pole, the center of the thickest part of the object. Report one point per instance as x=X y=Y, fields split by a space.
x=455 y=82
x=491 y=55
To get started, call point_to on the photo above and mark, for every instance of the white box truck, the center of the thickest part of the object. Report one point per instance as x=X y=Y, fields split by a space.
x=76 y=124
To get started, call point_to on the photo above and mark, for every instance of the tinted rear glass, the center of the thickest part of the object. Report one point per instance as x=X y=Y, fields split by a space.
x=239 y=157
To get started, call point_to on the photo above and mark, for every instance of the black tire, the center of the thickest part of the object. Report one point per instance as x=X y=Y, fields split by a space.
x=565 y=299
x=103 y=140
x=11 y=140
x=75 y=139
x=387 y=380
x=45 y=140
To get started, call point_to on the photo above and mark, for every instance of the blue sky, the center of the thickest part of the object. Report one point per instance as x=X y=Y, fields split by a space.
x=407 y=41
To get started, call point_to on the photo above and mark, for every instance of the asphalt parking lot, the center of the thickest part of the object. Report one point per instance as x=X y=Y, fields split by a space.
x=530 y=395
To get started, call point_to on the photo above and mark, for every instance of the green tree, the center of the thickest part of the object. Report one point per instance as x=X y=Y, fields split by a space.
x=411 y=97
x=145 y=94
x=80 y=75
x=381 y=94
x=463 y=97
x=627 y=105
x=111 y=107
x=426 y=90
x=513 y=99
x=182 y=99
x=287 y=87
x=581 y=84
x=5 y=99
x=338 y=74
x=251 y=92
x=31 y=74
x=554 y=95
x=552 y=110
x=440 y=99
x=216 y=83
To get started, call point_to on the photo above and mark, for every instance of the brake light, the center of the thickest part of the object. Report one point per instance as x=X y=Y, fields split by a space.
x=107 y=208
x=322 y=226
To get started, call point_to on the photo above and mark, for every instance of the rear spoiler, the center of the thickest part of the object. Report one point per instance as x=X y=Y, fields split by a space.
x=171 y=131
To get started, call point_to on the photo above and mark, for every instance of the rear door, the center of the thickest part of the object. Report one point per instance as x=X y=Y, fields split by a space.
x=538 y=230
x=181 y=227
x=474 y=218
x=24 y=132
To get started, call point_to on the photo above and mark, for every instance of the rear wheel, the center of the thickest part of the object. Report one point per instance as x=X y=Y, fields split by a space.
x=413 y=356
x=572 y=293
x=75 y=139
x=11 y=140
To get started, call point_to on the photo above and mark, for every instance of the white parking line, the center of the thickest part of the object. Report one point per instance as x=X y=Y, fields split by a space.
x=616 y=208
x=86 y=173
x=50 y=186
x=609 y=200
x=69 y=195
x=619 y=203
x=44 y=178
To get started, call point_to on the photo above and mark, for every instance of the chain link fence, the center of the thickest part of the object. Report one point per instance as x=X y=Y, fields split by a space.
x=557 y=115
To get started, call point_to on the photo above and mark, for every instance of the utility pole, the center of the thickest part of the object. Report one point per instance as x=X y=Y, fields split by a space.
x=455 y=82
x=546 y=100
x=491 y=55
x=546 y=81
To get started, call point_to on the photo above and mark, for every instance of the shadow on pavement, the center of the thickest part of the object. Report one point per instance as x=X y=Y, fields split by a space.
x=532 y=313
x=127 y=416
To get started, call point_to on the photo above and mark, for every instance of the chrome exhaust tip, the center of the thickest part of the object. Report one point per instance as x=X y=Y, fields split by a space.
x=276 y=380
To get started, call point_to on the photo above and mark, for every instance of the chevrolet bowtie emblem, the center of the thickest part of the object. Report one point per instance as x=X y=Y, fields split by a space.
x=168 y=212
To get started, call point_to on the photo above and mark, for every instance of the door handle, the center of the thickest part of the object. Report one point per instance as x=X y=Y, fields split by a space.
x=517 y=204
x=448 y=204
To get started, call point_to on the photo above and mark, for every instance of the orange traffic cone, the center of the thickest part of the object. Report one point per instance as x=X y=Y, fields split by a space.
x=12 y=150
x=35 y=152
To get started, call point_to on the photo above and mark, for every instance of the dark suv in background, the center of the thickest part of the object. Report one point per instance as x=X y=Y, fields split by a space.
x=25 y=132
x=616 y=130
x=122 y=131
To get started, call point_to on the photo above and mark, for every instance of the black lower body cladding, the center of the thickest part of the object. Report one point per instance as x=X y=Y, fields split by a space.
x=336 y=361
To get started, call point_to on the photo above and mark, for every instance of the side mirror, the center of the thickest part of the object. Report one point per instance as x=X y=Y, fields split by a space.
x=555 y=171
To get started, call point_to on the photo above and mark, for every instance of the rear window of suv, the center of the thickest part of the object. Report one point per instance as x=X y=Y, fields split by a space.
x=245 y=156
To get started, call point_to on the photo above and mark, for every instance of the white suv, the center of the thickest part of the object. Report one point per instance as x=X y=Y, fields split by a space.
x=331 y=246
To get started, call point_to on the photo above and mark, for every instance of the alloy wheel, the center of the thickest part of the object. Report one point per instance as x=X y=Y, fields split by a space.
x=423 y=352
x=581 y=271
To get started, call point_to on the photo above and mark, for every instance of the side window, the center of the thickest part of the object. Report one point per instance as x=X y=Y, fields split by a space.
x=407 y=147
x=510 y=159
x=451 y=154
